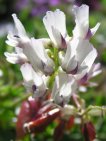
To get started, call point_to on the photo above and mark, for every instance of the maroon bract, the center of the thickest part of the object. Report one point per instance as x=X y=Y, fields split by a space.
x=88 y=131
x=59 y=130
x=34 y=117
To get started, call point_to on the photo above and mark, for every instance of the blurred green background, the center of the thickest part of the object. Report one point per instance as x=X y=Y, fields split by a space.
x=12 y=92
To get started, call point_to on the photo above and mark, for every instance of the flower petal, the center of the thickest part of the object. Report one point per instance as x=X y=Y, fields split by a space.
x=63 y=87
x=33 y=81
x=82 y=20
x=26 y=71
x=15 y=58
x=94 y=29
x=53 y=20
x=20 y=28
x=30 y=51
x=48 y=64
x=69 y=63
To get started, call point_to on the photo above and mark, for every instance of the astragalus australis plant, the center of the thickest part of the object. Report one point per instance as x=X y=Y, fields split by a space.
x=54 y=70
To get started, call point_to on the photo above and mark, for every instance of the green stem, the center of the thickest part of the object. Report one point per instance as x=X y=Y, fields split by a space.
x=102 y=109
x=56 y=59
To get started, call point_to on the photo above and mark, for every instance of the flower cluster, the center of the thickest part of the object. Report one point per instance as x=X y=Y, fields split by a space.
x=54 y=68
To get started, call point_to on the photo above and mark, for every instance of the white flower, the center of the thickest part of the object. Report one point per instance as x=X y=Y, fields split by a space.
x=79 y=58
x=17 y=39
x=82 y=22
x=95 y=70
x=38 y=57
x=33 y=81
x=56 y=27
x=64 y=86
x=31 y=50
x=16 y=57
x=75 y=64
x=19 y=36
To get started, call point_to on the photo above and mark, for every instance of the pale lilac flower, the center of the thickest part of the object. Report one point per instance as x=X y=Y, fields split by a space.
x=39 y=10
x=33 y=81
x=93 y=4
x=20 y=4
x=39 y=7
x=64 y=86
x=55 y=2
x=82 y=29
x=51 y=2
